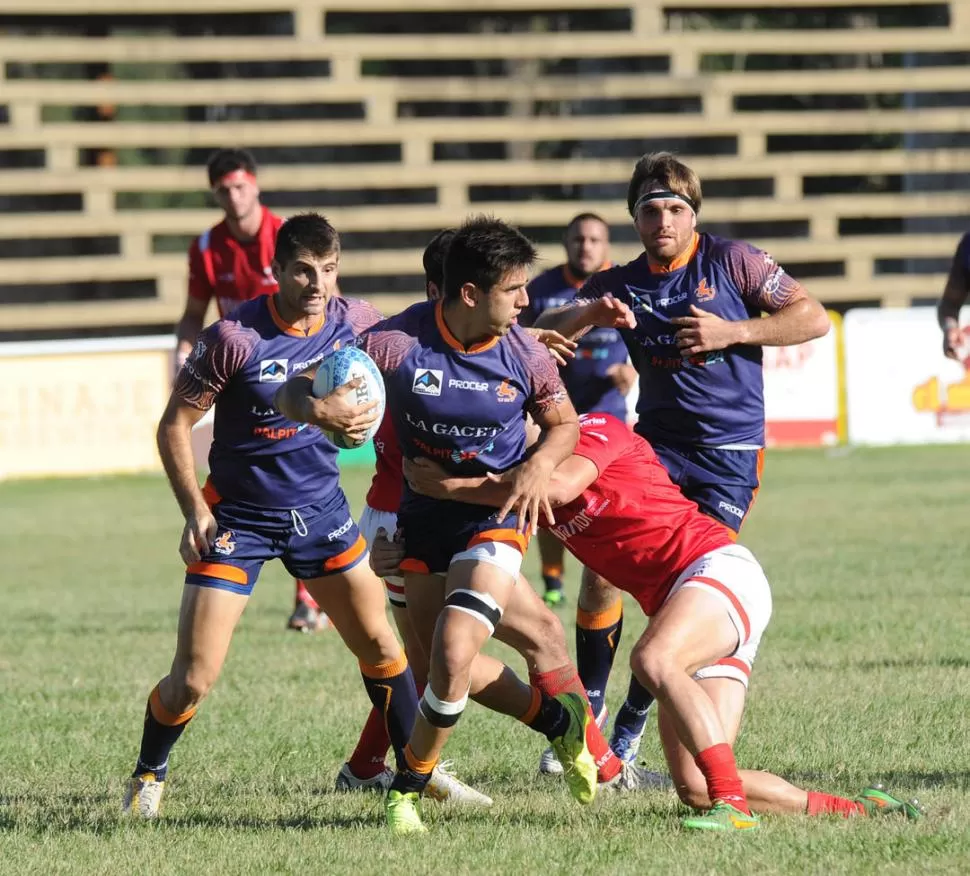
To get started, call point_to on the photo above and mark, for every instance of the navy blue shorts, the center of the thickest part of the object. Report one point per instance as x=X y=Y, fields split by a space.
x=435 y=531
x=313 y=541
x=723 y=483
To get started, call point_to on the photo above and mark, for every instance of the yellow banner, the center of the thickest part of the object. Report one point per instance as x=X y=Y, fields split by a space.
x=81 y=413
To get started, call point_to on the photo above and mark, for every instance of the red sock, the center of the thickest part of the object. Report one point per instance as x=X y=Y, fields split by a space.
x=368 y=757
x=565 y=679
x=303 y=595
x=721 y=774
x=829 y=804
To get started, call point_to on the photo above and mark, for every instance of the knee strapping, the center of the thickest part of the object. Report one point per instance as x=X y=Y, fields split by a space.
x=441 y=713
x=480 y=606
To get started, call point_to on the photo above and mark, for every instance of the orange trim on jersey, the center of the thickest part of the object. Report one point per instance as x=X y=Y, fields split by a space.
x=385 y=670
x=577 y=283
x=600 y=620
x=210 y=494
x=222 y=571
x=452 y=341
x=163 y=715
x=289 y=328
x=734 y=662
x=345 y=558
x=518 y=540
x=418 y=567
x=720 y=588
x=677 y=263
x=534 y=706
x=415 y=763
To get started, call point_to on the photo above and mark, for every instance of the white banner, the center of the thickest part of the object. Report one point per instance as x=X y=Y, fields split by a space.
x=802 y=392
x=900 y=387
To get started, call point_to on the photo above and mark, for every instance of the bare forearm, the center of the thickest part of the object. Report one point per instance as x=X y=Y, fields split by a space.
x=799 y=322
x=175 y=449
x=572 y=320
x=293 y=398
x=557 y=442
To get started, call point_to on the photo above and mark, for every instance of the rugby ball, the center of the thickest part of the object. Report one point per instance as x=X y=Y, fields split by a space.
x=340 y=367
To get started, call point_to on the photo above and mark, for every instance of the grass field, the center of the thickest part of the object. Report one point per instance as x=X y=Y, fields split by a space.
x=864 y=673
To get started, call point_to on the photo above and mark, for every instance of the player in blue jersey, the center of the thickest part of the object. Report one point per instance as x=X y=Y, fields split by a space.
x=461 y=377
x=699 y=310
x=955 y=295
x=273 y=492
x=599 y=375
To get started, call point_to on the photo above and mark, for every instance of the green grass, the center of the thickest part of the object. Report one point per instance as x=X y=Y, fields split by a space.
x=864 y=673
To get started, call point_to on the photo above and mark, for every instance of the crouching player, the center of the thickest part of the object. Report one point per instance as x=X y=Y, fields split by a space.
x=273 y=491
x=708 y=599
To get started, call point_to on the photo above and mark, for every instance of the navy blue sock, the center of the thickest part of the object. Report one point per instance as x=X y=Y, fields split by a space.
x=597 y=638
x=546 y=715
x=161 y=731
x=390 y=687
x=632 y=717
x=552 y=577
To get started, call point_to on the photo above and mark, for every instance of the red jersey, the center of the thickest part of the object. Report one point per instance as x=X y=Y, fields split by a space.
x=385 y=489
x=632 y=525
x=233 y=270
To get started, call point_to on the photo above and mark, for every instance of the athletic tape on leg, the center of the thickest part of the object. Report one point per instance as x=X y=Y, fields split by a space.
x=441 y=713
x=480 y=606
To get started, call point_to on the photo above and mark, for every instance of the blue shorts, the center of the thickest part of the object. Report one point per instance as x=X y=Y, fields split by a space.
x=723 y=483
x=435 y=531
x=313 y=541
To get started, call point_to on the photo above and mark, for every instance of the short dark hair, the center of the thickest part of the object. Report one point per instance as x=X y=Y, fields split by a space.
x=587 y=217
x=308 y=233
x=224 y=161
x=668 y=172
x=482 y=251
x=434 y=257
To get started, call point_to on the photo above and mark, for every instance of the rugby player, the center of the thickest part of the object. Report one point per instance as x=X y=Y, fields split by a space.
x=273 y=491
x=619 y=513
x=955 y=295
x=700 y=308
x=232 y=262
x=527 y=625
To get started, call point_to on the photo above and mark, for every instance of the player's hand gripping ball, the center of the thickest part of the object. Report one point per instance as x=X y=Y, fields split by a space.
x=340 y=367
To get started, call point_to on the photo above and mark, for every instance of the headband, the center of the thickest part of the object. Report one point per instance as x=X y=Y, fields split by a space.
x=240 y=174
x=662 y=196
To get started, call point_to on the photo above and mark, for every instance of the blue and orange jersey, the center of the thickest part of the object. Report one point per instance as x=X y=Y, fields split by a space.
x=258 y=456
x=463 y=408
x=714 y=399
x=585 y=377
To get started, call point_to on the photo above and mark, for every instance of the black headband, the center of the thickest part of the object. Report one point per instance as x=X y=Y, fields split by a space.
x=661 y=196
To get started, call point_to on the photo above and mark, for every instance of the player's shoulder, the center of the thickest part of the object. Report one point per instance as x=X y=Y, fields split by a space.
x=212 y=237
x=596 y=427
x=236 y=332
x=727 y=249
x=412 y=319
x=359 y=314
x=274 y=221
x=549 y=282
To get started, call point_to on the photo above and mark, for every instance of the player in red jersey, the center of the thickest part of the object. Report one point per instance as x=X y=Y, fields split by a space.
x=619 y=513
x=233 y=262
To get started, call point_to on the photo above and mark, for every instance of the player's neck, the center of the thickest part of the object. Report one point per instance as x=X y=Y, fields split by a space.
x=248 y=227
x=296 y=319
x=456 y=318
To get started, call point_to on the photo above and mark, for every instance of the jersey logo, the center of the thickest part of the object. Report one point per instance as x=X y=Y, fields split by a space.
x=224 y=544
x=640 y=303
x=427 y=381
x=273 y=370
x=505 y=392
x=704 y=293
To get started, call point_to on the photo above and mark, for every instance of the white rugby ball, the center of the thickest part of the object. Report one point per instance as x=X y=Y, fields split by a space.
x=340 y=367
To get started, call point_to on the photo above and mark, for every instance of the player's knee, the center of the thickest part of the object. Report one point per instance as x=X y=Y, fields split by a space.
x=186 y=689
x=652 y=666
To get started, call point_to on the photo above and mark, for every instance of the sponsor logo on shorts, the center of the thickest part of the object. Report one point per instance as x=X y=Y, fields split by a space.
x=343 y=530
x=273 y=370
x=731 y=509
x=224 y=544
x=473 y=385
x=427 y=381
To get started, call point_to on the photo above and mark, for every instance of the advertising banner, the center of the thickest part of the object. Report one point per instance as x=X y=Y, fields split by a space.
x=900 y=389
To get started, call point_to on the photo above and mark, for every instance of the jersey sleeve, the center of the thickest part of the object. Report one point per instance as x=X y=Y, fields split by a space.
x=387 y=345
x=220 y=351
x=960 y=269
x=762 y=282
x=199 y=285
x=545 y=384
x=362 y=315
x=602 y=439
